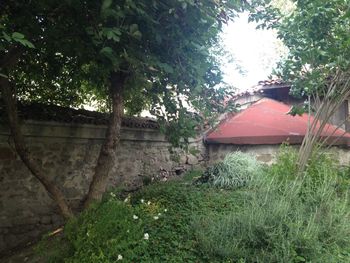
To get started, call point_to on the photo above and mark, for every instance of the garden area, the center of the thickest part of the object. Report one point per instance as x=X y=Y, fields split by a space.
x=113 y=161
x=236 y=211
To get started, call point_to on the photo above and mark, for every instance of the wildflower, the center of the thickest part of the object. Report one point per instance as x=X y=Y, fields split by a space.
x=135 y=217
x=159 y=214
x=142 y=201
x=156 y=217
x=112 y=194
x=149 y=202
x=128 y=231
x=120 y=257
x=126 y=200
x=165 y=210
x=146 y=236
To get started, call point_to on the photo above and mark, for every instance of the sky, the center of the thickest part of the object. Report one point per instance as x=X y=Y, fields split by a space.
x=256 y=52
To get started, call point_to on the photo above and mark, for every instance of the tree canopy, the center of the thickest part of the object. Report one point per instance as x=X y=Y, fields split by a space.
x=316 y=33
x=127 y=55
x=69 y=49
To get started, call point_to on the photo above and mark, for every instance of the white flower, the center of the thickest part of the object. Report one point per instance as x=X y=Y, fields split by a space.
x=146 y=236
x=142 y=201
x=112 y=194
x=128 y=231
x=135 y=217
x=159 y=214
x=156 y=217
x=165 y=210
x=120 y=257
x=149 y=202
x=126 y=200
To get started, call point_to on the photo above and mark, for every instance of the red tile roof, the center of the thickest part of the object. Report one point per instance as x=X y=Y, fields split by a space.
x=267 y=122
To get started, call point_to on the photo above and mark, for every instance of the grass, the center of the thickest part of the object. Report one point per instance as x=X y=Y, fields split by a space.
x=274 y=218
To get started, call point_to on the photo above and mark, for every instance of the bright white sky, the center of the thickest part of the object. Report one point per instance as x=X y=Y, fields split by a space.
x=255 y=51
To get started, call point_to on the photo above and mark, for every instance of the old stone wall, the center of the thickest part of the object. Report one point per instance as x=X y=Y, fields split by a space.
x=263 y=153
x=68 y=154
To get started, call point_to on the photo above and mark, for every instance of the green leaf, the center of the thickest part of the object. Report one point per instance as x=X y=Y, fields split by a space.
x=6 y=36
x=17 y=35
x=137 y=35
x=111 y=34
x=90 y=30
x=133 y=28
x=117 y=31
x=24 y=42
x=106 y=4
x=108 y=51
x=295 y=110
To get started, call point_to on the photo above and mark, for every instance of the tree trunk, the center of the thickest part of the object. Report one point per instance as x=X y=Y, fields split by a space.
x=24 y=153
x=105 y=160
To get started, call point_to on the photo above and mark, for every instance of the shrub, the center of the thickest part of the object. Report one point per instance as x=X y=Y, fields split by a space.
x=283 y=220
x=164 y=211
x=236 y=170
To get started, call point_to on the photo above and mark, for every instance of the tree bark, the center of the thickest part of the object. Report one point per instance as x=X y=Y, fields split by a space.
x=24 y=153
x=105 y=160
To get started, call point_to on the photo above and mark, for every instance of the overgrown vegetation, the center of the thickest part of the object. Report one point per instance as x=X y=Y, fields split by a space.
x=278 y=218
x=284 y=219
x=236 y=170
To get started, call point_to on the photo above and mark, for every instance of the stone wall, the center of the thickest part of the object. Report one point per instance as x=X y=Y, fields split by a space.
x=263 y=153
x=68 y=154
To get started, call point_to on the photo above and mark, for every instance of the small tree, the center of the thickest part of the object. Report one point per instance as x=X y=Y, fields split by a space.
x=132 y=54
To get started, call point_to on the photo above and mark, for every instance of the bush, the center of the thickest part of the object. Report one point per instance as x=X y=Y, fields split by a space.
x=284 y=219
x=236 y=170
x=164 y=211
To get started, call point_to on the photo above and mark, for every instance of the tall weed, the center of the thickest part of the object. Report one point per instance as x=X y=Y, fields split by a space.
x=284 y=218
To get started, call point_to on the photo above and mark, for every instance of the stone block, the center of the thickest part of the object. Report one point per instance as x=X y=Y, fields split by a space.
x=5 y=222
x=191 y=159
x=57 y=219
x=3 y=244
x=45 y=220
x=7 y=153
x=14 y=240
x=21 y=229
x=18 y=221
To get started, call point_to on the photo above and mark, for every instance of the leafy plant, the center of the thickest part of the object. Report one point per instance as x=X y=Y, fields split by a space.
x=236 y=170
x=164 y=211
